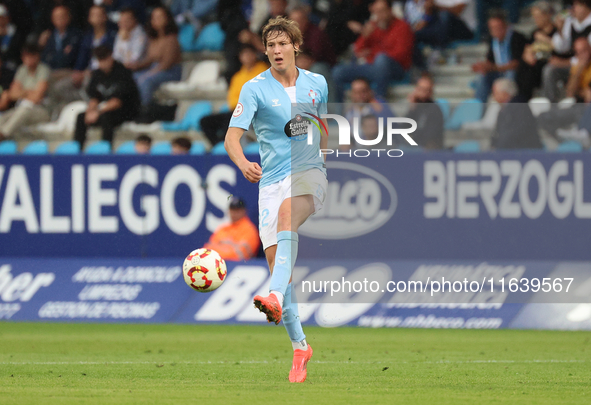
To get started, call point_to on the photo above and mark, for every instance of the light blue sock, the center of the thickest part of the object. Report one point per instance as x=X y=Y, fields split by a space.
x=291 y=317
x=285 y=257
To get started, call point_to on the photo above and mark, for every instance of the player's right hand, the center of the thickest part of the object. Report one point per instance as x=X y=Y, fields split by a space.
x=252 y=171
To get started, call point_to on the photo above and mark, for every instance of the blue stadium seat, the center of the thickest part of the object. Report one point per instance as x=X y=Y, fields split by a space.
x=224 y=108
x=127 y=148
x=219 y=149
x=211 y=38
x=197 y=148
x=98 y=148
x=8 y=148
x=445 y=107
x=467 y=147
x=467 y=111
x=161 y=148
x=36 y=148
x=192 y=118
x=252 y=149
x=187 y=37
x=569 y=147
x=68 y=148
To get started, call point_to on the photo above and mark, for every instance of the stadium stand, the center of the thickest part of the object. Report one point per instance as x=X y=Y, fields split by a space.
x=203 y=88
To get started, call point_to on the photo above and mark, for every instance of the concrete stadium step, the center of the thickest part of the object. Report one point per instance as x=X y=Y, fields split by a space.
x=398 y=93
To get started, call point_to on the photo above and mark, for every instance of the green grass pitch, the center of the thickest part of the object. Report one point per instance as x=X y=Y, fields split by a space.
x=210 y=364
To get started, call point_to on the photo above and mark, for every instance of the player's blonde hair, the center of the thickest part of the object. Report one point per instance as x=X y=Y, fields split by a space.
x=282 y=25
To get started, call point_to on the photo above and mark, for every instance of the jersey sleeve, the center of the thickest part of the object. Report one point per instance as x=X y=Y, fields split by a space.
x=245 y=109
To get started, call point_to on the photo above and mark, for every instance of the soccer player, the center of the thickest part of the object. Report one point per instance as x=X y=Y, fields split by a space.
x=292 y=180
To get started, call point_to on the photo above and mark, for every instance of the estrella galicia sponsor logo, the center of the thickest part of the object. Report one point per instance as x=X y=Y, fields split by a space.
x=359 y=201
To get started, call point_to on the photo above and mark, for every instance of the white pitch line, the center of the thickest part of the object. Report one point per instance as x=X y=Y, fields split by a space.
x=66 y=363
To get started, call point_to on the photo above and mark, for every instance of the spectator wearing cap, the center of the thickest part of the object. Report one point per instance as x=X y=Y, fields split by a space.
x=11 y=41
x=181 y=146
x=114 y=97
x=238 y=240
x=26 y=93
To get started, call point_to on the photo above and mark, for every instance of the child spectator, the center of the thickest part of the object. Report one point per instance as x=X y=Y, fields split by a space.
x=181 y=146
x=142 y=145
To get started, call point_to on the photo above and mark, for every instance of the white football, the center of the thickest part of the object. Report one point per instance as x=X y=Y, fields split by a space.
x=204 y=270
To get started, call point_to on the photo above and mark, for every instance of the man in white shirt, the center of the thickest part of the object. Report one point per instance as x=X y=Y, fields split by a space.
x=131 y=42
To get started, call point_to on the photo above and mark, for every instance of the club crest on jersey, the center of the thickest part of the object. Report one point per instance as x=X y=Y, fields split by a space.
x=313 y=95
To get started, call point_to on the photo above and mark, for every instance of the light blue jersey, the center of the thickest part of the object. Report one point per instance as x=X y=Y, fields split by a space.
x=265 y=102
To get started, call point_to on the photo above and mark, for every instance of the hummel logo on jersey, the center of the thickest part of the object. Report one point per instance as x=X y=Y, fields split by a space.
x=281 y=259
x=275 y=102
x=256 y=79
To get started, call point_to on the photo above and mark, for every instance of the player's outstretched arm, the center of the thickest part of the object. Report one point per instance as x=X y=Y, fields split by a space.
x=251 y=170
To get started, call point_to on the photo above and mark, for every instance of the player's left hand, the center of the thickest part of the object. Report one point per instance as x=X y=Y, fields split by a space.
x=252 y=171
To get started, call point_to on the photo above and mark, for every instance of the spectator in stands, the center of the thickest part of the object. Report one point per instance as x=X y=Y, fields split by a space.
x=504 y=53
x=364 y=103
x=516 y=126
x=26 y=92
x=316 y=42
x=70 y=88
x=427 y=114
x=44 y=17
x=12 y=41
x=577 y=87
x=215 y=125
x=113 y=94
x=538 y=51
x=142 y=145
x=383 y=50
x=574 y=26
x=458 y=17
x=60 y=45
x=163 y=60
x=20 y=15
x=513 y=8
x=238 y=240
x=580 y=73
x=437 y=23
x=131 y=41
x=232 y=22
x=181 y=145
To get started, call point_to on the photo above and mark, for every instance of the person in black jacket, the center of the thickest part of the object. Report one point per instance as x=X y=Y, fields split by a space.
x=504 y=53
x=516 y=125
x=114 y=97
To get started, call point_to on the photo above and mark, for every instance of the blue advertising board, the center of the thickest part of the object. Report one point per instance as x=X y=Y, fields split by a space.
x=153 y=290
x=515 y=206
